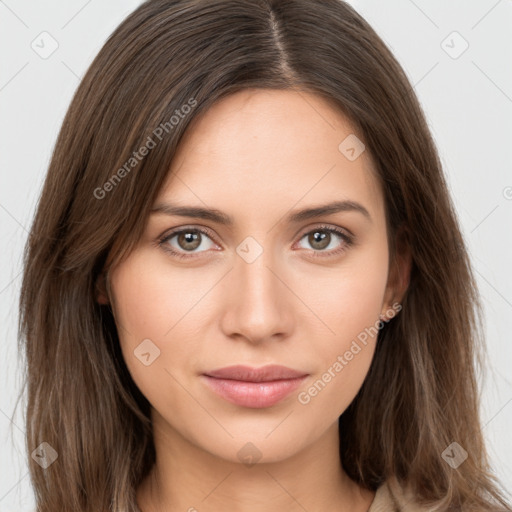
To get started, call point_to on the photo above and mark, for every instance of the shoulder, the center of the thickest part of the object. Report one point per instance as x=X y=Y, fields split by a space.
x=392 y=497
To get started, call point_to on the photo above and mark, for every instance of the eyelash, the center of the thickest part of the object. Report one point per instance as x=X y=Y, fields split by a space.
x=347 y=239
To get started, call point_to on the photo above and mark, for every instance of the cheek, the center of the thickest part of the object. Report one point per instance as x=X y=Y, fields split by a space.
x=349 y=297
x=145 y=309
x=152 y=299
x=344 y=358
x=159 y=303
x=350 y=308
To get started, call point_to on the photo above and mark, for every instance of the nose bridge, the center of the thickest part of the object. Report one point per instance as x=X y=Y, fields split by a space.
x=258 y=298
x=255 y=279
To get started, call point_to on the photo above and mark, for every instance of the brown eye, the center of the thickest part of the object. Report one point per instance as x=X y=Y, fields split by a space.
x=319 y=239
x=185 y=242
x=325 y=241
x=188 y=240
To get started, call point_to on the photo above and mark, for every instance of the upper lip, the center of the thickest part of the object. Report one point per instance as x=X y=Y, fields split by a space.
x=262 y=374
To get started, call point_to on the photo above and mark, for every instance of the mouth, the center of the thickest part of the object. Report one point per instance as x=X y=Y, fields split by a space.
x=254 y=387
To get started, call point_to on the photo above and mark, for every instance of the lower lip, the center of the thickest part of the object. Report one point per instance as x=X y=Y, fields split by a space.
x=253 y=394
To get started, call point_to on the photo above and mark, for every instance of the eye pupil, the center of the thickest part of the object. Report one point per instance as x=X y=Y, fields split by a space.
x=319 y=239
x=189 y=240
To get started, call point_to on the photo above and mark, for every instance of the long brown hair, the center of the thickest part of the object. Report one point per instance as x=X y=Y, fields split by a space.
x=166 y=63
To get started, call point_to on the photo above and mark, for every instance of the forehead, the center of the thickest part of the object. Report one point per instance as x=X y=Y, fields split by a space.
x=271 y=148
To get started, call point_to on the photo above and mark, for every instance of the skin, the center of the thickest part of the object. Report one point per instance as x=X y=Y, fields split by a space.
x=257 y=155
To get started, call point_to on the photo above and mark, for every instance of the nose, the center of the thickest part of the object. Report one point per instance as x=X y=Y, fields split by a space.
x=258 y=306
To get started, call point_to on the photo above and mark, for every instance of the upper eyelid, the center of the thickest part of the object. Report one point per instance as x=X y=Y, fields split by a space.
x=176 y=231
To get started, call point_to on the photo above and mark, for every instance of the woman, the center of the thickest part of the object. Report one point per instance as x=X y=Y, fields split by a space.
x=245 y=286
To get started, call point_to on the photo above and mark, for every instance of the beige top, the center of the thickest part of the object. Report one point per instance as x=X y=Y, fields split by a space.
x=390 y=497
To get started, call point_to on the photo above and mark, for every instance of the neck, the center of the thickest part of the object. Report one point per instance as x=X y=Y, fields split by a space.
x=185 y=477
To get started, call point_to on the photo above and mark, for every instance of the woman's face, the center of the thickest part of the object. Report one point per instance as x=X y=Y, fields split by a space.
x=270 y=287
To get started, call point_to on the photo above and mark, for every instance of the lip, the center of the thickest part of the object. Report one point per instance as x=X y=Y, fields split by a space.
x=266 y=373
x=254 y=387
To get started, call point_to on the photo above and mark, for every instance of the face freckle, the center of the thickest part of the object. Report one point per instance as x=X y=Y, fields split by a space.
x=253 y=292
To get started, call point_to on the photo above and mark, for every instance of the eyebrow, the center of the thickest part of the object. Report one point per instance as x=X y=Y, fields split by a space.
x=294 y=217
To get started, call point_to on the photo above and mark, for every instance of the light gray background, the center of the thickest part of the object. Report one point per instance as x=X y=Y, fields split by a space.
x=467 y=100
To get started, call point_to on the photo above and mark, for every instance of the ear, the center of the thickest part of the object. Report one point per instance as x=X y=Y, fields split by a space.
x=399 y=274
x=101 y=289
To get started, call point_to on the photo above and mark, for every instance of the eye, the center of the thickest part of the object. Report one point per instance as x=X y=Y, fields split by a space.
x=329 y=240
x=186 y=240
